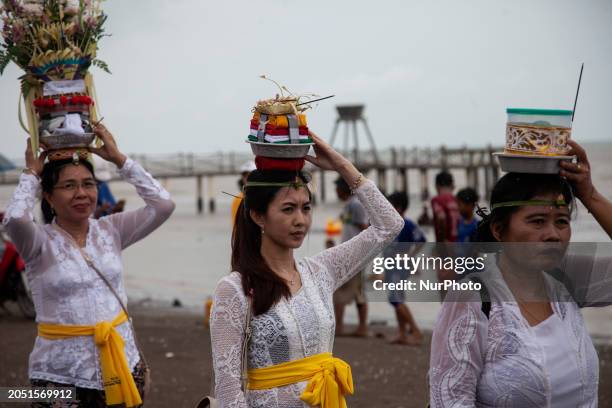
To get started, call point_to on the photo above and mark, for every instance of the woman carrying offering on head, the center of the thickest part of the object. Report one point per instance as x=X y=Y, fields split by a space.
x=74 y=271
x=289 y=357
x=525 y=344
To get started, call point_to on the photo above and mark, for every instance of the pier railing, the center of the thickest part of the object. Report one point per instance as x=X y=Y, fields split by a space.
x=397 y=161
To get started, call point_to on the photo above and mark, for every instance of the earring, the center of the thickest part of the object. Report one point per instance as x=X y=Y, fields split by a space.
x=262 y=230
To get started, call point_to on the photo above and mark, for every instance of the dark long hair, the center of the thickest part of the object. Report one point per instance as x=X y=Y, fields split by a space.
x=519 y=187
x=49 y=178
x=257 y=277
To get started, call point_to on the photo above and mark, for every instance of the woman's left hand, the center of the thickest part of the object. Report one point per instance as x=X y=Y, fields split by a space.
x=326 y=157
x=578 y=174
x=109 y=150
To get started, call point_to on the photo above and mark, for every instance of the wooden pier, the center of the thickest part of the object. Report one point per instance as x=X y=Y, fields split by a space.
x=480 y=167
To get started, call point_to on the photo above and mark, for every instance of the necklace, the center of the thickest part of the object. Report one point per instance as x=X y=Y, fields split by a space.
x=293 y=282
x=81 y=240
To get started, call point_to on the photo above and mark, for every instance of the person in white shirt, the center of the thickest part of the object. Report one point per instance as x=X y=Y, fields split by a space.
x=62 y=257
x=526 y=344
x=292 y=300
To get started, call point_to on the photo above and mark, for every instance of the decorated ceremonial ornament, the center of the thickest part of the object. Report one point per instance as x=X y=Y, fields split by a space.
x=278 y=126
x=536 y=140
x=55 y=43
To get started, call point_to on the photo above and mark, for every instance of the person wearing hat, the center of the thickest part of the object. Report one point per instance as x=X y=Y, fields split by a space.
x=280 y=310
x=521 y=341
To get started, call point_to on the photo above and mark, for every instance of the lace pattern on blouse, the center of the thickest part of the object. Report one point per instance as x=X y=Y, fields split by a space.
x=497 y=362
x=300 y=326
x=65 y=290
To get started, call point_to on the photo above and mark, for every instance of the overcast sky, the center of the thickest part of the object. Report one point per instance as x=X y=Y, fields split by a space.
x=431 y=72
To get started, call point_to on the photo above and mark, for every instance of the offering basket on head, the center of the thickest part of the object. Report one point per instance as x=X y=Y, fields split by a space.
x=536 y=140
x=55 y=43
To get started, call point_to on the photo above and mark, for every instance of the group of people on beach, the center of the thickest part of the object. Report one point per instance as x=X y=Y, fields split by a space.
x=273 y=318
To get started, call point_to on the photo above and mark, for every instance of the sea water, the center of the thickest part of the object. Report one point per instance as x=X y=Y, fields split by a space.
x=185 y=258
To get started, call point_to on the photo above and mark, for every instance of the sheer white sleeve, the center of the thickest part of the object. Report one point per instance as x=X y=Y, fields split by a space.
x=588 y=276
x=458 y=348
x=345 y=260
x=137 y=224
x=19 y=218
x=227 y=335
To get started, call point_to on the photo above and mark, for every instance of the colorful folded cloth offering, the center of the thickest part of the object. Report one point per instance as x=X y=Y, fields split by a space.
x=277 y=131
x=278 y=120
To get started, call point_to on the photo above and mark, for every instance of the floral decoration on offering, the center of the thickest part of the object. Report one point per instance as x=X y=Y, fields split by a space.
x=51 y=39
x=533 y=139
x=538 y=131
x=63 y=101
x=55 y=42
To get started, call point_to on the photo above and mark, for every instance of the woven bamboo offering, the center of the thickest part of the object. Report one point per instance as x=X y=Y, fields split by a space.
x=55 y=43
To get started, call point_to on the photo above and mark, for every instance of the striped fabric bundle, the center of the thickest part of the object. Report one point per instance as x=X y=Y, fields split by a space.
x=276 y=129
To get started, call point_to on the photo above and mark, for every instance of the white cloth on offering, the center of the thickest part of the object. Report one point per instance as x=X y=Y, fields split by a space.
x=73 y=126
x=280 y=139
x=64 y=87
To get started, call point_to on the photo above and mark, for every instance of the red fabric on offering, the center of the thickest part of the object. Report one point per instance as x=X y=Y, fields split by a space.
x=268 y=163
x=278 y=131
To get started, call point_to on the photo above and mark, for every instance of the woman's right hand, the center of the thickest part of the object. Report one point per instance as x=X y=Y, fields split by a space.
x=35 y=164
x=579 y=173
x=109 y=150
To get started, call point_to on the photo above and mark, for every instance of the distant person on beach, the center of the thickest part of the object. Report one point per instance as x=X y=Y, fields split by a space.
x=106 y=203
x=444 y=208
x=467 y=198
x=354 y=219
x=409 y=332
x=445 y=221
x=291 y=332
x=525 y=344
x=74 y=270
x=245 y=170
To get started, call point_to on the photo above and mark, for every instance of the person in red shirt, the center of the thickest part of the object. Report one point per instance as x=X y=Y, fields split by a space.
x=445 y=220
x=445 y=209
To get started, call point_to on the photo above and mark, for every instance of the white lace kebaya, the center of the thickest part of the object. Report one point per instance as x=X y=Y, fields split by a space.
x=300 y=326
x=500 y=361
x=65 y=290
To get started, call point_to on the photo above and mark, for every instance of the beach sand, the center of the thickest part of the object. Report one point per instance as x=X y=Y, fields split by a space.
x=385 y=375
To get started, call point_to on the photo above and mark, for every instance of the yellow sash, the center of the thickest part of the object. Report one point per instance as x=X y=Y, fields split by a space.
x=329 y=379
x=118 y=383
